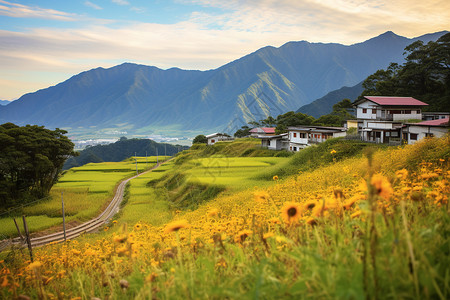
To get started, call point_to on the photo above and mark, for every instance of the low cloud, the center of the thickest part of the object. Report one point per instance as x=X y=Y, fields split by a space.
x=92 y=5
x=16 y=10
x=121 y=2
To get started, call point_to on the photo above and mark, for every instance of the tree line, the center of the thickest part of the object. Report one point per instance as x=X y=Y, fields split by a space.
x=122 y=149
x=31 y=159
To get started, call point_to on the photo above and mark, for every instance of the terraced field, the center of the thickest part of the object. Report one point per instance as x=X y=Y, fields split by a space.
x=86 y=191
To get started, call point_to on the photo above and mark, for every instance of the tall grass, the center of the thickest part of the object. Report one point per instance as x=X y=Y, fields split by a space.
x=357 y=228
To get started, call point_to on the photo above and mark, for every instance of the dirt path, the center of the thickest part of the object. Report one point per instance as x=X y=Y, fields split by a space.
x=89 y=226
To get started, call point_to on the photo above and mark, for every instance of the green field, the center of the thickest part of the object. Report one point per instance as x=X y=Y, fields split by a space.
x=85 y=190
x=142 y=203
x=231 y=172
x=198 y=180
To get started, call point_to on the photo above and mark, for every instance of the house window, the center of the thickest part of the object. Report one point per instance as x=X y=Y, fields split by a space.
x=295 y=134
x=295 y=148
x=430 y=135
x=290 y=148
x=213 y=141
x=418 y=111
x=268 y=143
x=407 y=112
x=302 y=135
x=374 y=111
x=364 y=110
x=413 y=136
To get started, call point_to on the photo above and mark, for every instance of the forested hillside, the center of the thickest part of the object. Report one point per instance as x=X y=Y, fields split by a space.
x=122 y=149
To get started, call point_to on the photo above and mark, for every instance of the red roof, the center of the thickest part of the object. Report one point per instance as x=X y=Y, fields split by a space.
x=267 y=130
x=403 y=101
x=438 y=122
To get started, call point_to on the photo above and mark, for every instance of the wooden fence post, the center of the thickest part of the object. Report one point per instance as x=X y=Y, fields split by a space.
x=64 y=216
x=25 y=226
x=18 y=230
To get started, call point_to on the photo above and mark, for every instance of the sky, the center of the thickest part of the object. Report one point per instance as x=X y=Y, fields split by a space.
x=44 y=42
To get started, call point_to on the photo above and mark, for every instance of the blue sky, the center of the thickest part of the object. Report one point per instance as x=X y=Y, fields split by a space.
x=45 y=42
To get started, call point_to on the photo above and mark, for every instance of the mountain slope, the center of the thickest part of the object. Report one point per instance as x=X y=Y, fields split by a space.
x=324 y=105
x=142 y=99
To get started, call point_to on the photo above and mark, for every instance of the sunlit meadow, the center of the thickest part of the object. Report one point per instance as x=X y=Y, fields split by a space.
x=367 y=227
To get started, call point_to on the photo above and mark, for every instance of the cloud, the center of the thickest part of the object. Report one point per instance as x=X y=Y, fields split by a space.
x=121 y=2
x=210 y=38
x=92 y=5
x=24 y=11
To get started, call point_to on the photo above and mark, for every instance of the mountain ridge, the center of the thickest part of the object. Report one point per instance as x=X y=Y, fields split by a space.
x=144 y=99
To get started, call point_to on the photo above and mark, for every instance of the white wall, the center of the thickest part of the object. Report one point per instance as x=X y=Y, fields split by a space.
x=379 y=125
x=297 y=139
x=422 y=132
x=368 y=115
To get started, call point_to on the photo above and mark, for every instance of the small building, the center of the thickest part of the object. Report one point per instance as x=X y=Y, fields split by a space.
x=428 y=116
x=433 y=128
x=216 y=137
x=304 y=136
x=275 y=142
x=352 y=124
x=262 y=131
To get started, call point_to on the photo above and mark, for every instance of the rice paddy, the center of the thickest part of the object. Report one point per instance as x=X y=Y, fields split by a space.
x=85 y=191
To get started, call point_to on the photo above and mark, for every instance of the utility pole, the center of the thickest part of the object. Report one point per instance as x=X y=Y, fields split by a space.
x=135 y=159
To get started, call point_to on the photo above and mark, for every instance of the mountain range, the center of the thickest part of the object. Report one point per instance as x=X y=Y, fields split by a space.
x=146 y=100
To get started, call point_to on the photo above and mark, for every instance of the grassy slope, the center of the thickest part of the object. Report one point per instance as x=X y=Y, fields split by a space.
x=405 y=255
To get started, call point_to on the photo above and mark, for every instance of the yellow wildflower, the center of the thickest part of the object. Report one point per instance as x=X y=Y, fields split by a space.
x=176 y=225
x=291 y=212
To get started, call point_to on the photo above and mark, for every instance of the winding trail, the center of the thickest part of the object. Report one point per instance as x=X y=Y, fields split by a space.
x=89 y=226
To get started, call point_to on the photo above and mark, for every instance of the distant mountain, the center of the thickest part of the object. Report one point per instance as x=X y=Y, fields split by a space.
x=122 y=149
x=4 y=102
x=143 y=99
x=324 y=105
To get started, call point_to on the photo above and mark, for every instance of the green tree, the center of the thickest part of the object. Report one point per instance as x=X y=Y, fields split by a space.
x=292 y=119
x=425 y=75
x=31 y=158
x=200 y=139
x=243 y=132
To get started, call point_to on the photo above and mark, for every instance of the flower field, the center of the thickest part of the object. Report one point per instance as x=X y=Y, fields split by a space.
x=365 y=227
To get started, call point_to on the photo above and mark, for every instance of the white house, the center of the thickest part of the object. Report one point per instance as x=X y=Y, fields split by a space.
x=384 y=108
x=380 y=117
x=304 y=136
x=216 y=137
x=275 y=142
x=418 y=131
